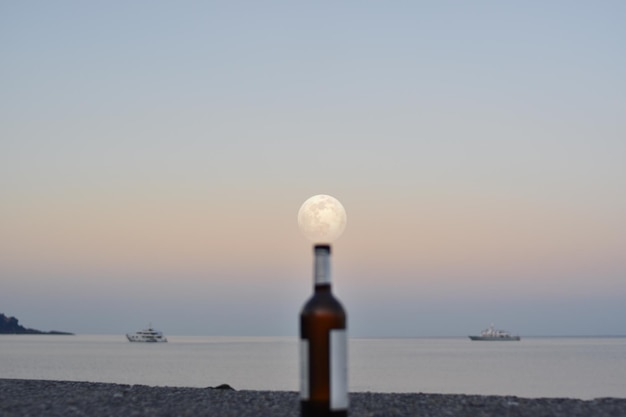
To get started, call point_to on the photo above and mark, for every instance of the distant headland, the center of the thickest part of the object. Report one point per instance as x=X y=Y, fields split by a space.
x=11 y=325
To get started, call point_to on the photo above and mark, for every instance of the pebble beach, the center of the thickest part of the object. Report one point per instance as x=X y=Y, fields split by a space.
x=25 y=398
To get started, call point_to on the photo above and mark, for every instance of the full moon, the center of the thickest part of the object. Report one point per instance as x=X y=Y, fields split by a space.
x=322 y=218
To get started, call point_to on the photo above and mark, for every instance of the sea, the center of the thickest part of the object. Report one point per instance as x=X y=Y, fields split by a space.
x=571 y=367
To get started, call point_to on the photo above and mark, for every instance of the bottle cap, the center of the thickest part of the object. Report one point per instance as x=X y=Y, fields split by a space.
x=323 y=248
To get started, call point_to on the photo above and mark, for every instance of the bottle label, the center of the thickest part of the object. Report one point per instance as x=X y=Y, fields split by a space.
x=338 y=369
x=304 y=369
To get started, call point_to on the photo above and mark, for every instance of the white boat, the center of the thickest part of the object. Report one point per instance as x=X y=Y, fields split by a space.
x=148 y=335
x=491 y=334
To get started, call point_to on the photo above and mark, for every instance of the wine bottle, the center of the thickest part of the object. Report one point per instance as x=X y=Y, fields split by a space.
x=323 y=347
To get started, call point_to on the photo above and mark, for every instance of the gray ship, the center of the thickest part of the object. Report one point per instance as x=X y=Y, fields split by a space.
x=491 y=334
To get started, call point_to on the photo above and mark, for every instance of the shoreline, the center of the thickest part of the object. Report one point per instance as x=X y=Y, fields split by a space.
x=26 y=397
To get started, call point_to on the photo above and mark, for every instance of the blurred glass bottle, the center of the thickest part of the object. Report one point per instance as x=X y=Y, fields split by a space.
x=323 y=346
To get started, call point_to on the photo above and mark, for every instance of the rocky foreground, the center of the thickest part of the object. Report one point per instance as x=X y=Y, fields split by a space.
x=22 y=398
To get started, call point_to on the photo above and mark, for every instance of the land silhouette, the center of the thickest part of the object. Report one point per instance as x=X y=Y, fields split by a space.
x=11 y=325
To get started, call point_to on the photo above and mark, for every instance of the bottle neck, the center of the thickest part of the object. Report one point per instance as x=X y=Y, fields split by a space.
x=321 y=266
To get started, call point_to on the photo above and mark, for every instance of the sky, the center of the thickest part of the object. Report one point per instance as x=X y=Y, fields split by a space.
x=154 y=156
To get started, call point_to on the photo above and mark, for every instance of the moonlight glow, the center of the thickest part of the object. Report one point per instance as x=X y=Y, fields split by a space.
x=322 y=218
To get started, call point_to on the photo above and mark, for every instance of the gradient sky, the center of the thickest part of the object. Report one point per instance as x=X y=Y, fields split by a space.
x=154 y=155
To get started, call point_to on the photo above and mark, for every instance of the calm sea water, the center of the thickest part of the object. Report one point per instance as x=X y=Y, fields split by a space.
x=535 y=367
